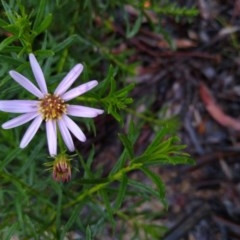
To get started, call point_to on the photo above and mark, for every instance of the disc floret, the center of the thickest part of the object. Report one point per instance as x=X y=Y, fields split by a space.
x=52 y=107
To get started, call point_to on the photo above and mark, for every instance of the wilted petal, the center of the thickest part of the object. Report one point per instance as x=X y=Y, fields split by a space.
x=18 y=106
x=66 y=135
x=73 y=127
x=38 y=73
x=24 y=82
x=51 y=137
x=75 y=92
x=66 y=83
x=81 y=111
x=20 y=120
x=31 y=131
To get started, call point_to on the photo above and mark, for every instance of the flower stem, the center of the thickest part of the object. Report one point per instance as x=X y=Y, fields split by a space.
x=116 y=177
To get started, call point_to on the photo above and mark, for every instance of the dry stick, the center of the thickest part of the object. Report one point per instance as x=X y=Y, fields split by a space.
x=188 y=222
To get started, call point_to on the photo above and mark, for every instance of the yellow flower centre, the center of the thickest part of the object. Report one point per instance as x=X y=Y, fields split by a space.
x=52 y=107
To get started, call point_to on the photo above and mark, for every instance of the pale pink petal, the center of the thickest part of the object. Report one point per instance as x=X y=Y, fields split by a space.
x=73 y=127
x=19 y=106
x=75 y=92
x=66 y=83
x=24 y=82
x=20 y=120
x=38 y=73
x=67 y=138
x=81 y=111
x=31 y=131
x=51 y=137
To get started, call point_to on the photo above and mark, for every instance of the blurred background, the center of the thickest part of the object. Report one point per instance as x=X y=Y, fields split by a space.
x=189 y=68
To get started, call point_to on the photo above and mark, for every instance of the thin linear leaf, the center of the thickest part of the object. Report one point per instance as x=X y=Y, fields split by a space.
x=157 y=180
x=88 y=233
x=11 y=230
x=44 y=24
x=10 y=157
x=8 y=11
x=158 y=138
x=120 y=163
x=65 y=44
x=121 y=192
x=108 y=206
x=127 y=144
x=40 y=14
x=71 y=220
x=3 y=23
x=7 y=41
x=142 y=188
x=136 y=26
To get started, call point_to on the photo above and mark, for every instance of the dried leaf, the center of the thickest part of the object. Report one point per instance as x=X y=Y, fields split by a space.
x=179 y=43
x=215 y=110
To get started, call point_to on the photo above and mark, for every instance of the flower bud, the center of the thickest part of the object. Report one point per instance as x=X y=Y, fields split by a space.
x=61 y=168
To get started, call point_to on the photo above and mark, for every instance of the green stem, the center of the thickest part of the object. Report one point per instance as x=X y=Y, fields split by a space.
x=60 y=142
x=115 y=177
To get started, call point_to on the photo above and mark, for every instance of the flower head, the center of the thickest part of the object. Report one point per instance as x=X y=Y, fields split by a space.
x=61 y=168
x=49 y=107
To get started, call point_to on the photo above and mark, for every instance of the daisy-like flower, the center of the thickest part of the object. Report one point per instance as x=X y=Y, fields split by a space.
x=51 y=108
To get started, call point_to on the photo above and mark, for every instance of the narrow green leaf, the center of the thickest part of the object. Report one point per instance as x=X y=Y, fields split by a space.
x=44 y=24
x=163 y=147
x=127 y=144
x=12 y=29
x=157 y=140
x=120 y=163
x=72 y=219
x=65 y=44
x=44 y=53
x=7 y=41
x=19 y=211
x=182 y=159
x=93 y=181
x=10 y=157
x=107 y=81
x=11 y=49
x=8 y=11
x=136 y=26
x=87 y=166
x=40 y=14
x=114 y=114
x=59 y=192
x=90 y=158
x=11 y=229
x=113 y=86
x=143 y=189
x=157 y=180
x=121 y=193
x=107 y=206
x=88 y=233
x=3 y=23
x=155 y=231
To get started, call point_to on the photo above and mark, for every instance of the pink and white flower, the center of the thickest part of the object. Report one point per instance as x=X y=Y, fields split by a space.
x=51 y=108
